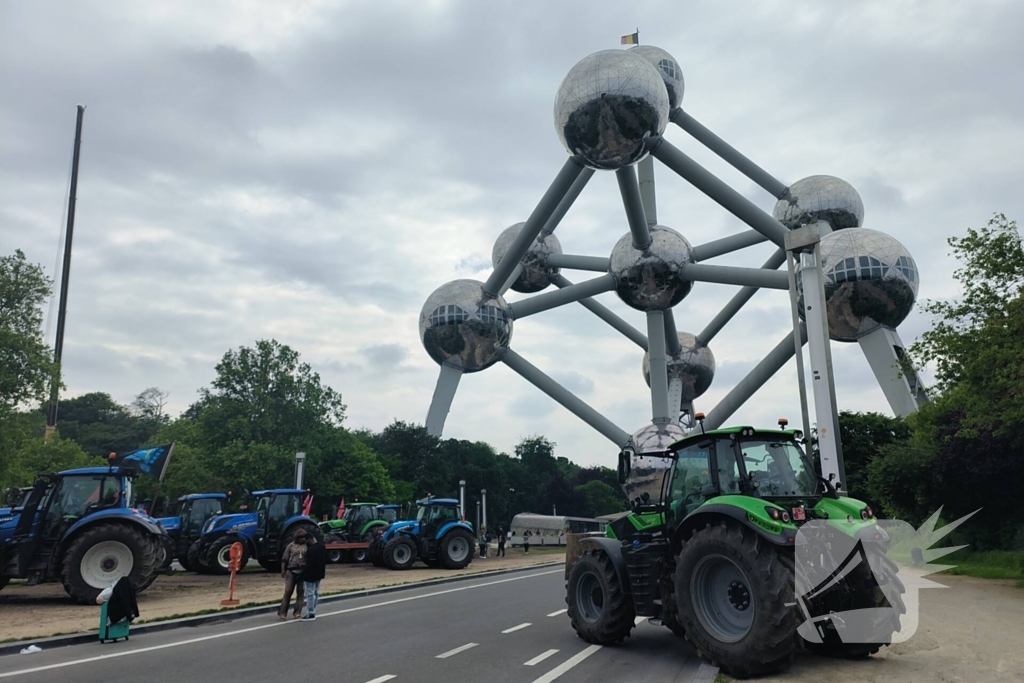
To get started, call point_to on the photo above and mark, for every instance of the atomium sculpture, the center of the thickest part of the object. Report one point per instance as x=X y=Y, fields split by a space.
x=611 y=112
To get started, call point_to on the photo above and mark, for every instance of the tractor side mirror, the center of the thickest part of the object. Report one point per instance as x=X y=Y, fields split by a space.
x=625 y=464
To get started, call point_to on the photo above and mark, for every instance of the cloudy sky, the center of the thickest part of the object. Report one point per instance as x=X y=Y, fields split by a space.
x=310 y=171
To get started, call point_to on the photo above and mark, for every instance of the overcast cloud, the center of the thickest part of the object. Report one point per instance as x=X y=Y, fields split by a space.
x=311 y=171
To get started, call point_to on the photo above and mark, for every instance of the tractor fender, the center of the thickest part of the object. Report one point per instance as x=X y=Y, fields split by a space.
x=290 y=523
x=613 y=549
x=243 y=524
x=170 y=523
x=371 y=525
x=397 y=527
x=449 y=526
x=712 y=513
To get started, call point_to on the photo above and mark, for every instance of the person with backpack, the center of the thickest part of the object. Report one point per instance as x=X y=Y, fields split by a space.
x=293 y=562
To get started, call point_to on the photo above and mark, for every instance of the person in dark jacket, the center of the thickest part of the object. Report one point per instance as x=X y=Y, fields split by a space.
x=313 y=574
x=122 y=605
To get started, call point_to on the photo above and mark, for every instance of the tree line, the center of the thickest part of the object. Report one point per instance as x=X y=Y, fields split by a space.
x=962 y=451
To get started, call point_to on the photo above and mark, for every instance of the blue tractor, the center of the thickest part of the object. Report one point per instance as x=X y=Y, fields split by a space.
x=437 y=536
x=80 y=527
x=275 y=516
x=186 y=523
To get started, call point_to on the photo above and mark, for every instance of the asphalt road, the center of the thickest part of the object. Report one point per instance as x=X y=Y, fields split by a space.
x=510 y=628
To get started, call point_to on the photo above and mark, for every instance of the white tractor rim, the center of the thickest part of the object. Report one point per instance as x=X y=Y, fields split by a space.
x=458 y=549
x=105 y=563
x=224 y=557
x=402 y=554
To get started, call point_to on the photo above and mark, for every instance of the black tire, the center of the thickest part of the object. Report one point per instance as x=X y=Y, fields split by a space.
x=218 y=558
x=272 y=567
x=164 y=551
x=183 y=561
x=4 y=580
x=865 y=589
x=360 y=556
x=400 y=553
x=119 y=540
x=670 y=607
x=456 y=551
x=335 y=556
x=600 y=607
x=734 y=592
x=376 y=552
x=196 y=560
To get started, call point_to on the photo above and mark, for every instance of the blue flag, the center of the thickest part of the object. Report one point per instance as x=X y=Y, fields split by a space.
x=149 y=461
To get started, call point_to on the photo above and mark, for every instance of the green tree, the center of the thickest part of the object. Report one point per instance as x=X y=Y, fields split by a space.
x=26 y=365
x=101 y=425
x=863 y=435
x=37 y=456
x=597 y=498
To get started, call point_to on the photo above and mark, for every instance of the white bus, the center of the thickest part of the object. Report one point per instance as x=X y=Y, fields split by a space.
x=548 y=530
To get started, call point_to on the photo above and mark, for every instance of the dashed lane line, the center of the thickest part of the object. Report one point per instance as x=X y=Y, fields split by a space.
x=561 y=611
x=456 y=651
x=570 y=663
x=381 y=679
x=275 y=624
x=520 y=627
x=536 y=660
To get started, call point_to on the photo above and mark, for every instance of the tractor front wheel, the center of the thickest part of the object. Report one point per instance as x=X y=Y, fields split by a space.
x=457 y=549
x=400 y=553
x=101 y=555
x=219 y=557
x=375 y=552
x=734 y=593
x=600 y=609
x=194 y=560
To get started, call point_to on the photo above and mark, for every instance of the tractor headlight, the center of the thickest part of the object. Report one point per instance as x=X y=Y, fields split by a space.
x=867 y=513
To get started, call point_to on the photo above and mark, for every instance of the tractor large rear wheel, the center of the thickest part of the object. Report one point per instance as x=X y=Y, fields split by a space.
x=375 y=552
x=400 y=553
x=456 y=549
x=102 y=554
x=734 y=593
x=4 y=580
x=600 y=608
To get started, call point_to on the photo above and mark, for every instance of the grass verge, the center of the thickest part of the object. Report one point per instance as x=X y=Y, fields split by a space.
x=989 y=564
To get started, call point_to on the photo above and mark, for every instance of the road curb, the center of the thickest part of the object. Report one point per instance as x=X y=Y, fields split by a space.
x=234 y=615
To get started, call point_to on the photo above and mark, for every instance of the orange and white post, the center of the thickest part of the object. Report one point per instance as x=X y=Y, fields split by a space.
x=234 y=566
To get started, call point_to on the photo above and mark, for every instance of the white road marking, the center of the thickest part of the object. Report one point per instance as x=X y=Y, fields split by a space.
x=639 y=620
x=275 y=624
x=456 y=651
x=381 y=679
x=568 y=664
x=561 y=611
x=538 y=659
x=517 y=628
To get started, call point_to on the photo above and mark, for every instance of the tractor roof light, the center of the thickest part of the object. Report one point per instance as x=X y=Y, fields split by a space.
x=783 y=423
x=867 y=513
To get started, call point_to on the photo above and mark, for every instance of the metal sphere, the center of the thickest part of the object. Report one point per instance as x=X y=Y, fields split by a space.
x=669 y=69
x=607 y=105
x=820 y=198
x=694 y=365
x=536 y=276
x=651 y=279
x=464 y=328
x=871 y=280
x=646 y=472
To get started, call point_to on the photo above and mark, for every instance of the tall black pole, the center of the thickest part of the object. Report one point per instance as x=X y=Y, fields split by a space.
x=58 y=347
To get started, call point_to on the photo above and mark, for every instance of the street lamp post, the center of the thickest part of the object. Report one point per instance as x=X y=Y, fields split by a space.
x=300 y=462
x=462 y=499
x=483 y=496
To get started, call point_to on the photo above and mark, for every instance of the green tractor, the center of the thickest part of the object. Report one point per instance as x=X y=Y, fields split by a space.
x=360 y=523
x=714 y=559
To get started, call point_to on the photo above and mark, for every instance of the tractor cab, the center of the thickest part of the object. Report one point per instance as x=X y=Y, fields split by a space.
x=434 y=513
x=274 y=509
x=389 y=512
x=186 y=520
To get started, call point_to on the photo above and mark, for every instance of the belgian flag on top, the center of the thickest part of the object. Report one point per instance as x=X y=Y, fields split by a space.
x=631 y=39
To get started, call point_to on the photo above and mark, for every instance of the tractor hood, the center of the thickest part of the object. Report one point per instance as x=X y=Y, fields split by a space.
x=231 y=523
x=170 y=523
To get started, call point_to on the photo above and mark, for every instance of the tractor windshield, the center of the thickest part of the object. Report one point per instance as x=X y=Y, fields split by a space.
x=421 y=512
x=777 y=469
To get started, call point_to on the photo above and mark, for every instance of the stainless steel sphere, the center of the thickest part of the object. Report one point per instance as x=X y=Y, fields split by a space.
x=607 y=105
x=535 y=276
x=820 y=198
x=646 y=472
x=694 y=365
x=651 y=279
x=871 y=280
x=669 y=69
x=464 y=328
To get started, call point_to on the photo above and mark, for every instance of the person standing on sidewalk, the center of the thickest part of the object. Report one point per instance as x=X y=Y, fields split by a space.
x=501 y=542
x=313 y=574
x=293 y=561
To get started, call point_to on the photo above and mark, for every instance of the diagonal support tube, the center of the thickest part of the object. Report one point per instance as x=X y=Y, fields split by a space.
x=567 y=201
x=605 y=314
x=660 y=413
x=728 y=153
x=444 y=394
x=598 y=264
x=559 y=297
x=671 y=334
x=512 y=279
x=634 y=205
x=731 y=275
x=731 y=200
x=727 y=245
x=534 y=376
x=538 y=219
x=738 y=301
x=748 y=386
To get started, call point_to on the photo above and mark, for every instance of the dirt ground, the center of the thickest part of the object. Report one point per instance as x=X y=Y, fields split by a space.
x=39 y=611
x=972 y=631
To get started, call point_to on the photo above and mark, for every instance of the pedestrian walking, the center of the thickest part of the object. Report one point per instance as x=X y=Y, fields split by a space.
x=526 y=541
x=501 y=542
x=313 y=574
x=488 y=539
x=293 y=561
x=483 y=545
